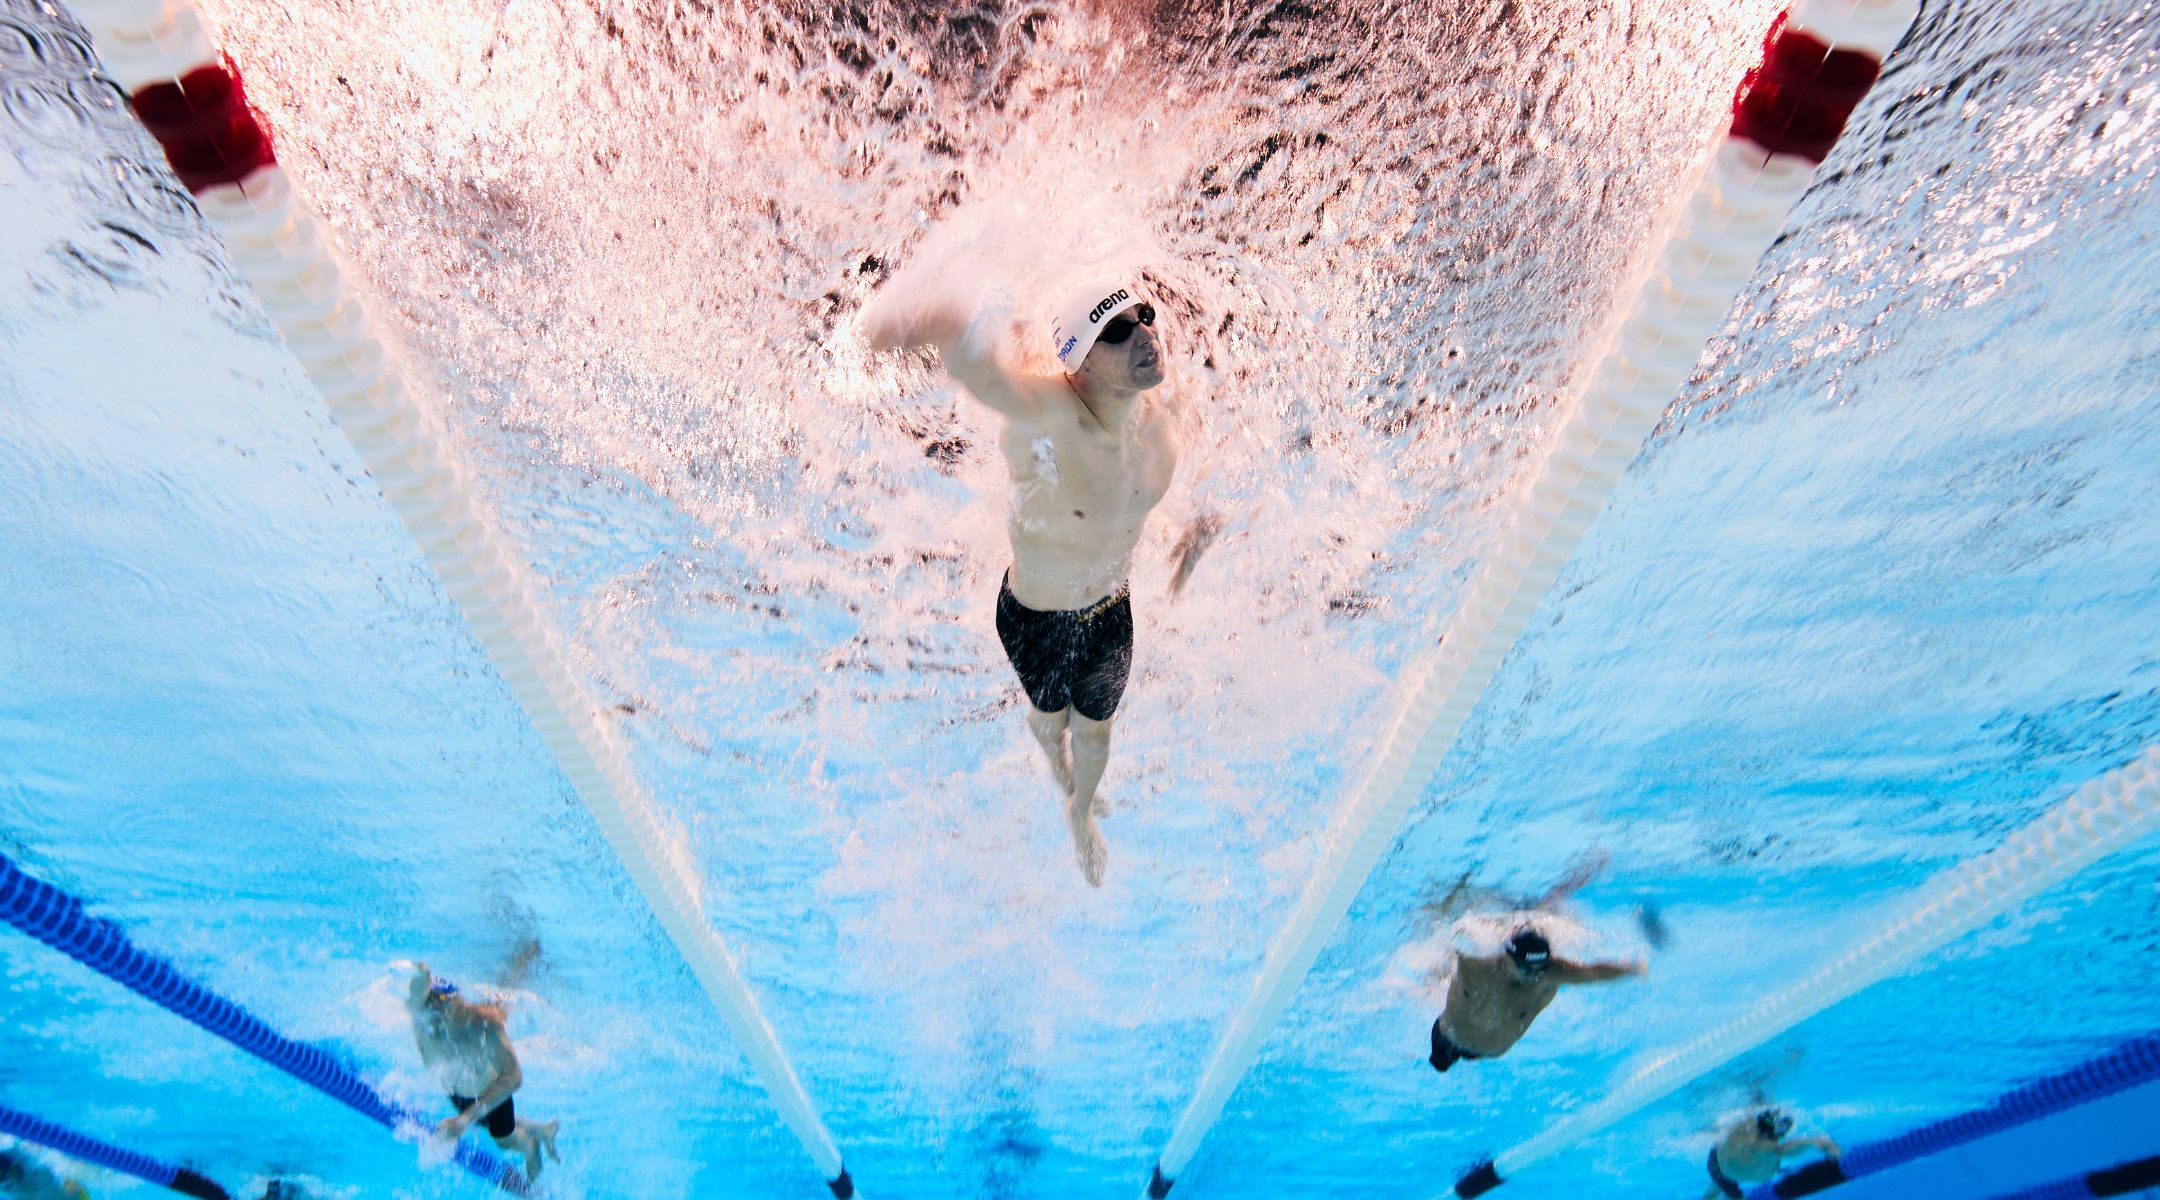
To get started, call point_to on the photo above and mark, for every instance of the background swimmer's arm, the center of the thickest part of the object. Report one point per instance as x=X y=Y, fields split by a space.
x=1604 y=972
x=508 y=1078
x=1823 y=1144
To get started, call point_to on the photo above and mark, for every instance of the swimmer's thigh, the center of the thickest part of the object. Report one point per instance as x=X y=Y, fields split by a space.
x=1105 y=662
x=1037 y=648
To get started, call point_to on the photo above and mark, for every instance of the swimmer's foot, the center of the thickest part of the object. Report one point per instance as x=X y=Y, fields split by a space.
x=1088 y=844
x=532 y=1157
x=545 y=1135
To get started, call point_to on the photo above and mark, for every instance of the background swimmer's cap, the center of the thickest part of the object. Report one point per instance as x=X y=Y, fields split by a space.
x=438 y=986
x=1079 y=321
x=1529 y=948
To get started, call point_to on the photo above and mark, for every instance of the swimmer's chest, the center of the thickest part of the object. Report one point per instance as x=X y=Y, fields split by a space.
x=1092 y=478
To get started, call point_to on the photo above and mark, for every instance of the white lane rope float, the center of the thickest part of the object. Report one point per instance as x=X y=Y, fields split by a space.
x=190 y=97
x=1818 y=61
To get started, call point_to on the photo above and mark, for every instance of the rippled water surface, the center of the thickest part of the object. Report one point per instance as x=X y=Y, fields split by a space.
x=1881 y=588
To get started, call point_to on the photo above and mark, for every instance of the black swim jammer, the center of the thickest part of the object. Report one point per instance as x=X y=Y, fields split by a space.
x=1076 y=657
x=1445 y=1053
x=1725 y=1183
x=501 y=1123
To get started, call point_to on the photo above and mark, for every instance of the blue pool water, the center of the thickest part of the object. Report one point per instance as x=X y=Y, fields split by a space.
x=1880 y=590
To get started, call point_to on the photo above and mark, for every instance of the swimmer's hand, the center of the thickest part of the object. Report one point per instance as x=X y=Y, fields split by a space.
x=1194 y=542
x=416 y=984
x=453 y=1128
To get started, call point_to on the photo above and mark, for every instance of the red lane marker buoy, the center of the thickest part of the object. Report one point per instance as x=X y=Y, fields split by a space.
x=203 y=121
x=1798 y=99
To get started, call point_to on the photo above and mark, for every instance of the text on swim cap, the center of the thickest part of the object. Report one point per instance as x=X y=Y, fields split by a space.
x=1107 y=303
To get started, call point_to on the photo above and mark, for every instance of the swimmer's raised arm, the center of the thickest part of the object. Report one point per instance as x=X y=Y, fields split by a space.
x=967 y=346
x=1601 y=972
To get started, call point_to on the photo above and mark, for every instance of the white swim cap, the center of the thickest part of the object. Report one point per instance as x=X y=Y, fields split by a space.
x=1081 y=318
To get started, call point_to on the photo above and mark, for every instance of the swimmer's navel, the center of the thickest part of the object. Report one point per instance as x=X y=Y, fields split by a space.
x=1079 y=514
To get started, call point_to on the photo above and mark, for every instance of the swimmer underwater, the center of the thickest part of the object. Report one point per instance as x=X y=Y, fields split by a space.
x=1091 y=454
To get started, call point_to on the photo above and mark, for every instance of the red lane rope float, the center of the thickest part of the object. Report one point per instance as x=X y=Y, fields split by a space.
x=1797 y=100
x=210 y=134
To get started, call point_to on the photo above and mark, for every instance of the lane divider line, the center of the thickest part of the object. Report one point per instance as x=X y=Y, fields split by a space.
x=57 y=919
x=2109 y=813
x=1818 y=61
x=192 y=99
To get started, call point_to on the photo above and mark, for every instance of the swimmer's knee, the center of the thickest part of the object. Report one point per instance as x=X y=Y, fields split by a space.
x=1091 y=732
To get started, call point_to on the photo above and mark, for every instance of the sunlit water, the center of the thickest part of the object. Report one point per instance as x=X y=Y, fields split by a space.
x=1881 y=588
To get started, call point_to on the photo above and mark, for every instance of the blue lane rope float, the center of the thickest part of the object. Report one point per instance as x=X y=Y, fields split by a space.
x=2129 y=1178
x=2129 y=1065
x=104 y=1154
x=58 y=920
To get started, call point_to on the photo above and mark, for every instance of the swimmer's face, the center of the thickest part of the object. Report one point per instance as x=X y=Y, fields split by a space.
x=1136 y=361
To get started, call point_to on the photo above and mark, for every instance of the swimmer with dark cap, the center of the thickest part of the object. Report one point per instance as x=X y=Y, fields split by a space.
x=25 y=1178
x=1091 y=454
x=1492 y=1000
x=469 y=1046
x=1753 y=1150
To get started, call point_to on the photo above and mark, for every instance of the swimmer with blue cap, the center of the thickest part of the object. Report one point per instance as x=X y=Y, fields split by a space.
x=468 y=1045
x=1092 y=449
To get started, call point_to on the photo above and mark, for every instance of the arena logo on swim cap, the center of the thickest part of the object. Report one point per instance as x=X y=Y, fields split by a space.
x=1076 y=322
x=1095 y=314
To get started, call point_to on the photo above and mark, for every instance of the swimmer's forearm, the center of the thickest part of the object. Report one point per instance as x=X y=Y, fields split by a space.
x=498 y=1091
x=1604 y=972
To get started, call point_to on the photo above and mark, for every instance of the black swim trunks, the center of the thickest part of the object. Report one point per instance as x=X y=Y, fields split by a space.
x=1725 y=1183
x=501 y=1123
x=1077 y=657
x=1445 y=1053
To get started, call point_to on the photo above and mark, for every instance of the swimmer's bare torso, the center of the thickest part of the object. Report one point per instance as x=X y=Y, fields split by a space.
x=1082 y=494
x=1086 y=471
x=1490 y=1004
x=464 y=1044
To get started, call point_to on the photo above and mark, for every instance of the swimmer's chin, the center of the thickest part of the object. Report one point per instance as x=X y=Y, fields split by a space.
x=1148 y=376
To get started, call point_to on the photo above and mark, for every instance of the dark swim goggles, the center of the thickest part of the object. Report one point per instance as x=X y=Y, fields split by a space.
x=1121 y=327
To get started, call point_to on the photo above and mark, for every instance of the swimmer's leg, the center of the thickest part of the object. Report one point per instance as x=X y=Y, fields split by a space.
x=522 y=1142
x=1091 y=753
x=542 y=1134
x=1049 y=731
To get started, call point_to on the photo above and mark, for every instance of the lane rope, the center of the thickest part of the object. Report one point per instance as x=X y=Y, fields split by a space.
x=1818 y=61
x=88 y=1149
x=57 y=919
x=2109 y=813
x=2132 y=1064
x=192 y=99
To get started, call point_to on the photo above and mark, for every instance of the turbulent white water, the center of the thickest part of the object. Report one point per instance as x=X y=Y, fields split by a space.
x=1882 y=580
